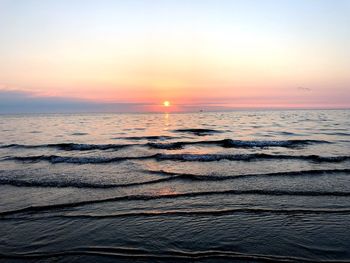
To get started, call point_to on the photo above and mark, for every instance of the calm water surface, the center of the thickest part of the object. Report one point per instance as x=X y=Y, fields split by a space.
x=245 y=186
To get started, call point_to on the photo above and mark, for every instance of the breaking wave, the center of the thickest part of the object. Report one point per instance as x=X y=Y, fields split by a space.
x=225 y=143
x=197 y=177
x=74 y=183
x=73 y=160
x=213 y=212
x=70 y=146
x=228 y=143
x=178 y=157
x=33 y=209
x=248 y=157
x=170 y=177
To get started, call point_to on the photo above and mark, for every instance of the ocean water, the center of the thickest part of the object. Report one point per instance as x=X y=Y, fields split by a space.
x=243 y=186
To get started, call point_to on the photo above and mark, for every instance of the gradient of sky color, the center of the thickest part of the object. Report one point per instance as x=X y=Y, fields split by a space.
x=230 y=53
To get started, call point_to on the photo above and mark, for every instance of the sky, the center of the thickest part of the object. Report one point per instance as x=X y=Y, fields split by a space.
x=117 y=55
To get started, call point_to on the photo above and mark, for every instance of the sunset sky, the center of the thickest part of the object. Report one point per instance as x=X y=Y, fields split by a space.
x=135 y=54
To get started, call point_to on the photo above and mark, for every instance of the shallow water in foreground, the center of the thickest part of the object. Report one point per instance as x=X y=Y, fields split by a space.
x=244 y=186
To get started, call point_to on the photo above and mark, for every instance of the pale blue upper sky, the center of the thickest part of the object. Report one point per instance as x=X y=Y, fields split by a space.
x=39 y=21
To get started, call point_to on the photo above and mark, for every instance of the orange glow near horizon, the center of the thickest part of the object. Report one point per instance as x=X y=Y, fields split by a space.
x=199 y=56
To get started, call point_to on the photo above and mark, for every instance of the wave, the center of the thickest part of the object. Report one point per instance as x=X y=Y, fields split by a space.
x=212 y=212
x=336 y=133
x=228 y=143
x=79 y=133
x=19 y=182
x=196 y=177
x=169 y=146
x=55 y=159
x=150 y=138
x=271 y=143
x=70 y=146
x=33 y=209
x=198 y=132
x=74 y=183
x=225 y=143
x=220 y=212
x=248 y=157
x=168 y=255
x=171 y=177
x=177 y=157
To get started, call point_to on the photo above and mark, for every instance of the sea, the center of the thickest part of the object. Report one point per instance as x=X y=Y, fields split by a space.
x=239 y=186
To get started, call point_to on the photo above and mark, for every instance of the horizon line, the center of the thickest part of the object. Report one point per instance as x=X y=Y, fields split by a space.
x=178 y=112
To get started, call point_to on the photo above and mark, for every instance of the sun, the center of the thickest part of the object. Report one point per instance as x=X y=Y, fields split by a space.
x=166 y=103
